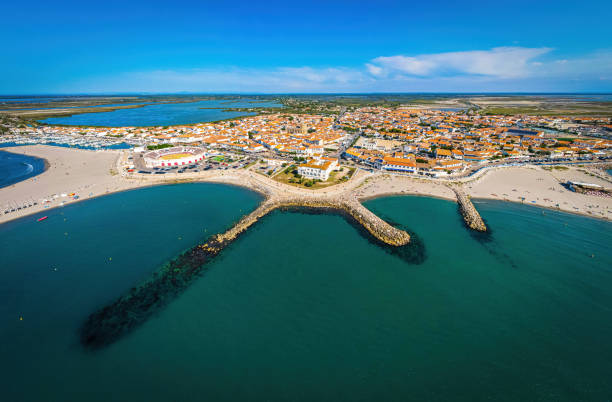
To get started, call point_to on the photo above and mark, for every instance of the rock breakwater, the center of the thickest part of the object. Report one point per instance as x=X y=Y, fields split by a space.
x=472 y=218
x=119 y=318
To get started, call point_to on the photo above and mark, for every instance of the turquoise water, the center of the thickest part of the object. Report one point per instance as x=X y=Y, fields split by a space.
x=16 y=167
x=165 y=114
x=302 y=307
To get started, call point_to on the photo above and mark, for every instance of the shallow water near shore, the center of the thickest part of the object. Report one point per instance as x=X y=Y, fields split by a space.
x=16 y=167
x=302 y=307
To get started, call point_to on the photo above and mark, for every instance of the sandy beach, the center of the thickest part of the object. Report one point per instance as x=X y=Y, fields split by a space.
x=387 y=184
x=534 y=185
x=89 y=174
x=86 y=173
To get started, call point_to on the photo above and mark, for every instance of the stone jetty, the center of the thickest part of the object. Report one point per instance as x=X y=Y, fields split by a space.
x=115 y=320
x=377 y=227
x=470 y=215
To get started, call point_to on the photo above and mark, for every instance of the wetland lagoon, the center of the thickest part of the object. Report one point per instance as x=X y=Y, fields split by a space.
x=165 y=114
x=303 y=307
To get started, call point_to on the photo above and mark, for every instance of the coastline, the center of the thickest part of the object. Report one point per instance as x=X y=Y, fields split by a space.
x=405 y=193
x=46 y=165
x=476 y=200
x=533 y=185
x=86 y=173
x=99 y=175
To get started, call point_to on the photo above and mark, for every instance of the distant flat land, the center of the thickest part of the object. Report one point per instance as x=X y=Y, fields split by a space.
x=572 y=105
x=34 y=108
x=542 y=106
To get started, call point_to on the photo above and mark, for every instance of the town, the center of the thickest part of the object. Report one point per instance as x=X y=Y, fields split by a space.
x=306 y=149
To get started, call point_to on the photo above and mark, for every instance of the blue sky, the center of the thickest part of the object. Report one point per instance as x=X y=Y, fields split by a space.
x=312 y=46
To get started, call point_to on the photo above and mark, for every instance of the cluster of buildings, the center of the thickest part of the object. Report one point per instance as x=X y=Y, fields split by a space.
x=441 y=143
x=417 y=141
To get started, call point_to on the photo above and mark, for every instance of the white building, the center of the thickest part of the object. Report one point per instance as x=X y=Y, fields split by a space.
x=175 y=156
x=318 y=169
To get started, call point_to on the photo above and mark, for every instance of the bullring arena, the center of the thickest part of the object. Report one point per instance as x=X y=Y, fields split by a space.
x=175 y=156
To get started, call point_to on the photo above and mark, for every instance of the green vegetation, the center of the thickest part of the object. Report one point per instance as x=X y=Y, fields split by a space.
x=159 y=146
x=290 y=176
x=553 y=108
x=350 y=129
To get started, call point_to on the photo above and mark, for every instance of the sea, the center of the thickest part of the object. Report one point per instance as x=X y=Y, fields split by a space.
x=303 y=307
x=164 y=114
x=17 y=167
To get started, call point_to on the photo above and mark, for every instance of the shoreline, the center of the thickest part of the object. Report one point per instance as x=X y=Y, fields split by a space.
x=102 y=179
x=46 y=166
x=263 y=195
x=404 y=193
x=548 y=208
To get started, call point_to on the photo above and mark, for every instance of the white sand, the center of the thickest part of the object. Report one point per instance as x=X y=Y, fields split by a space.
x=86 y=173
x=94 y=173
x=387 y=184
x=543 y=188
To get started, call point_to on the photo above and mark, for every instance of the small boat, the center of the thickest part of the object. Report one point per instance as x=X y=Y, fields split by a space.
x=42 y=219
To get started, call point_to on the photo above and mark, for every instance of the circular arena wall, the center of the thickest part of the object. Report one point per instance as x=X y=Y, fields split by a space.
x=175 y=156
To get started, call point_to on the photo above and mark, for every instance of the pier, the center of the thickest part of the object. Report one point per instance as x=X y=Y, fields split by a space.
x=472 y=218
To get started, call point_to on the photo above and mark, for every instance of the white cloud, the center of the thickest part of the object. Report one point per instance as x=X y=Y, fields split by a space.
x=502 y=69
x=500 y=62
x=232 y=79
